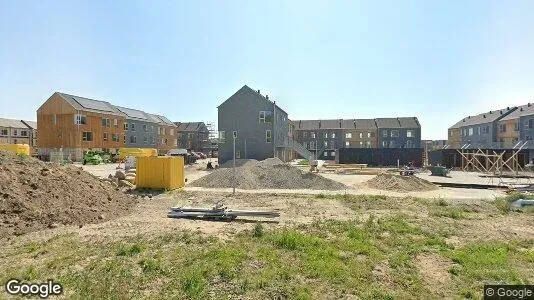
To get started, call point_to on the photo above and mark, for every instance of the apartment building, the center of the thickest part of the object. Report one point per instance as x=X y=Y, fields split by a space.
x=321 y=137
x=17 y=132
x=32 y=125
x=516 y=127
x=398 y=132
x=360 y=133
x=480 y=131
x=193 y=136
x=260 y=127
x=73 y=124
x=167 y=133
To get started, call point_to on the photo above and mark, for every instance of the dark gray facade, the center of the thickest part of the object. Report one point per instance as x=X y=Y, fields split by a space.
x=257 y=125
x=321 y=137
x=398 y=132
x=140 y=130
x=193 y=136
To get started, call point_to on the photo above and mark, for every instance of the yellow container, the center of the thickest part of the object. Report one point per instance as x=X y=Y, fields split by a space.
x=17 y=148
x=160 y=172
x=137 y=152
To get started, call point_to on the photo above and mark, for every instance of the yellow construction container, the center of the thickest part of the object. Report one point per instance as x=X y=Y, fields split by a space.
x=17 y=148
x=164 y=172
x=137 y=152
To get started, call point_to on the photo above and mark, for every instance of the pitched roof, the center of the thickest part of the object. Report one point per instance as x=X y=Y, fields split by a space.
x=387 y=123
x=11 y=123
x=86 y=104
x=409 y=122
x=190 y=126
x=521 y=111
x=486 y=117
x=257 y=92
x=334 y=124
x=134 y=114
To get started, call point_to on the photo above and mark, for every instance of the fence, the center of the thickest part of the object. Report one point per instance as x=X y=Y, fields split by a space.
x=380 y=156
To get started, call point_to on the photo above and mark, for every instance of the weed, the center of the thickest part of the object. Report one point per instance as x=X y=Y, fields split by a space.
x=258 y=230
x=194 y=284
x=320 y=196
x=442 y=202
x=126 y=250
x=448 y=212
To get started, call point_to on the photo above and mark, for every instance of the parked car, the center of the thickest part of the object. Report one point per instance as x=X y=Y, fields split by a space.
x=195 y=155
x=188 y=157
x=202 y=155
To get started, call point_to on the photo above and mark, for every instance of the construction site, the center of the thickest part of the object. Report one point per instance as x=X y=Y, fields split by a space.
x=213 y=230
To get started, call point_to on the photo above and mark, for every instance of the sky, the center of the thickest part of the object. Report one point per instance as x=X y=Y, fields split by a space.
x=437 y=60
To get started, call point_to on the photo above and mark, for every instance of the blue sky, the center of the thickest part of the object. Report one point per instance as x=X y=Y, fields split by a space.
x=437 y=60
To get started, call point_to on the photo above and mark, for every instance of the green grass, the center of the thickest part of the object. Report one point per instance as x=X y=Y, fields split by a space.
x=503 y=204
x=324 y=259
x=304 y=162
x=449 y=212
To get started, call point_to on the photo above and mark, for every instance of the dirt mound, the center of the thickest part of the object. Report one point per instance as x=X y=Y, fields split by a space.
x=392 y=182
x=267 y=174
x=36 y=195
x=239 y=163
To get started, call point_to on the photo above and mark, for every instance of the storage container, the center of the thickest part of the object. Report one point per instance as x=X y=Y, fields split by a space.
x=137 y=152
x=164 y=172
x=17 y=148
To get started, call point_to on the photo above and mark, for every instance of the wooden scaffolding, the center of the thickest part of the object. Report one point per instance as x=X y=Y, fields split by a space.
x=491 y=161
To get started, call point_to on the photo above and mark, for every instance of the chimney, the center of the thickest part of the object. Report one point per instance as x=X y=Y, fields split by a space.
x=508 y=108
x=267 y=97
x=340 y=121
x=490 y=112
x=528 y=104
x=469 y=117
x=463 y=120
x=354 y=122
x=521 y=109
x=300 y=121
x=259 y=92
x=319 y=123
x=484 y=116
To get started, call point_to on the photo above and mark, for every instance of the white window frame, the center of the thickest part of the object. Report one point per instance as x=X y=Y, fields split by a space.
x=78 y=119
x=333 y=135
x=333 y=153
x=348 y=135
x=409 y=133
x=313 y=135
x=268 y=136
x=395 y=133
x=347 y=144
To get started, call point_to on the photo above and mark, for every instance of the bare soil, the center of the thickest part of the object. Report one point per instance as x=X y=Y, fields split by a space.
x=35 y=195
x=393 y=182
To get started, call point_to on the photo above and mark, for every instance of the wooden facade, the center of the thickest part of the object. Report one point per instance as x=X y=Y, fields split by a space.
x=510 y=136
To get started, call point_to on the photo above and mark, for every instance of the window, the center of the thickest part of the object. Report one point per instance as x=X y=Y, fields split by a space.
x=361 y=135
x=175 y=142
x=332 y=144
x=105 y=122
x=530 y=123
x=333 y=154
x=105 y=136
x=145 y=128
x=23 y=133
x=516 y=126
x=326 y=143
x=80 y=119
x=133 y=139
x=409 y=133
x=145 y=140
x=125 y=126
x=450 y=132
x=237 y=154
x=479 y=127
x=392 y=144
x=361 y=144
x=370 y=135
x=190 y=135
x=394 y=133
x=347 y=144
x=325 y=153
x=333 y=135
x=153 y=140
x=409 y=144
x=470 y=131
x=164 y=130
x=132 y=127
x=326 y=135
x=159 y=130
x=3 y=132
x=115 y=137
x=266 y=116
x=115 y=122
x=348 y=135
x=54 y=119
x=368 y=144
x=222 y=136
x=268 y=136
x=15 y=132
x=313 y=135
x=87 y=136
x=384 y=133
x=503 y=127
x=124 y=138
x=384 y=144
x=171 y=131
x=304 y=134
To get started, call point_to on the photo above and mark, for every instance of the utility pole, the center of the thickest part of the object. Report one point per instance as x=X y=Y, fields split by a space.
x=233 y=168
x=274 y=129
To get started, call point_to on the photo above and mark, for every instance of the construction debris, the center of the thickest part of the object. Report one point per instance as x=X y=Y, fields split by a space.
x=217 y=213
x=267 y=174
x=392 y=182
x=36 y=195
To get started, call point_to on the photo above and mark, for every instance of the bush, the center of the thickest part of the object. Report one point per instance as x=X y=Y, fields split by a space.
x=258 y=230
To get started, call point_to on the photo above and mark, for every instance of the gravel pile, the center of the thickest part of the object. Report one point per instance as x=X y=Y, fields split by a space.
x=239 y=163
x=392 y=182
x=36 y=195
x=271 y=173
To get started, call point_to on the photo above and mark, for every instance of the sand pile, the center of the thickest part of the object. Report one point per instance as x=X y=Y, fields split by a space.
x=271 y=173
x=392 y=182
x=36 y=195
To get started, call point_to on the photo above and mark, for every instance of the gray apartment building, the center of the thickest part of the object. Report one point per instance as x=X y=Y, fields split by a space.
x=261 y=128
x=398 y=132
x=321 y=137
x=139 y=129
x=479 y=131
x=193 y=136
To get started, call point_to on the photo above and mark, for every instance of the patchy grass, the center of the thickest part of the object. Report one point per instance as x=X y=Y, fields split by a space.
x=371 y=257
x=503 y=204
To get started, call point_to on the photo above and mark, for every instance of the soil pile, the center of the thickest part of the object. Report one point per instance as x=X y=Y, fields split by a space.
x=36 y=195
x=271 y=173
x=392 y=182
